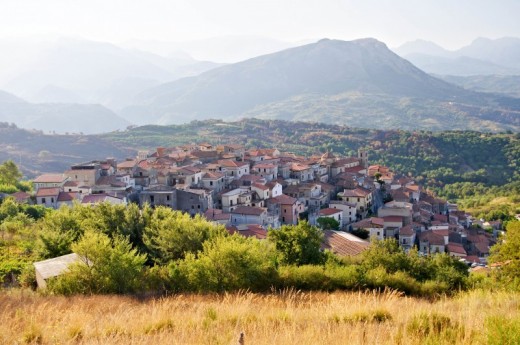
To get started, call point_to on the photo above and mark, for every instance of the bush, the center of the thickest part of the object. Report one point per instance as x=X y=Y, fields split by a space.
x=344 y=277
x=106 y=266
x=380 y=279
x=227 y=264
x=306 y=277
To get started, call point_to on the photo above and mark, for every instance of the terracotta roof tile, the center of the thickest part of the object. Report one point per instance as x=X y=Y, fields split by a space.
x=343 y=243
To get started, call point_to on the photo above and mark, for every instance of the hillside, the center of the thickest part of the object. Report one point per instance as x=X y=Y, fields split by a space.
x=360 y=83
x=37 y=152
x=508 y=85
x=435 y=158
x=59 y=117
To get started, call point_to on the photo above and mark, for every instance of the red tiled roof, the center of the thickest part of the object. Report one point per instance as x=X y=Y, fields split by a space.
x=358 y=192
x=127 y=164
x=343 y=244
x=260 y=186
x=432 y=238
x=50 y=178
x=43 y=192
x=393 y=219
x=440 y=218
x=67 y=196
x=264 y=166
x=283 y=200
x=299 y=167
x=407 y=230
x=456 y=248
x=21 y=196
x=212 y=175
x=249 y=230
x=369 y=223
x=232 y=164
x=482 y=247
x=249 y=210
x=329 y=211
x=442 y=232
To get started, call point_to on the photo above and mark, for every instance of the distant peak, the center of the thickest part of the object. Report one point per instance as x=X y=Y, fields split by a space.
x=360 y=41
x=324 y=40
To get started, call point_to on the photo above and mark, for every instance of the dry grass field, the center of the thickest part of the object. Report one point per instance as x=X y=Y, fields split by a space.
x=287 y=317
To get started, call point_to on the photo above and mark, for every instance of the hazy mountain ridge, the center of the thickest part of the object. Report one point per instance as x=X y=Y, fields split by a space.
x=358 y=82
x=88 y=70
x=59 y=117
x=482 y=56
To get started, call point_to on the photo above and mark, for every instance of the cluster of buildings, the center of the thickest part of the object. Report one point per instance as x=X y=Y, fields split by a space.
x=250 y=191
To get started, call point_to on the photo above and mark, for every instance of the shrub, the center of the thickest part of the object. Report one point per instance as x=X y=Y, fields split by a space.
x=306 y=277
x=107 y=266
x=226 y=264
x=344 y=277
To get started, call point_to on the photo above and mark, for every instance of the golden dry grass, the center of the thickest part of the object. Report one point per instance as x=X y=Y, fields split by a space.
x=285 y=318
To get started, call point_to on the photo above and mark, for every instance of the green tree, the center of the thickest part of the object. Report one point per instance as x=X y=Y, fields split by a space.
x=106 y=266
x=57 y=231
x=298 y=244
x=507 y=255
x=170 y=235
x=327 y=223
x=9 y=173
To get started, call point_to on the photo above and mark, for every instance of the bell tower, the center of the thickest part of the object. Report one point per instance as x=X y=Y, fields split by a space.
x=363 y=157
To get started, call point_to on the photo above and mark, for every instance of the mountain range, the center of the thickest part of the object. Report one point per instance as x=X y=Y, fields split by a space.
x=71 y=70
x=73 y=85
x=483 y=56
x=360 y=83
x=59 y=117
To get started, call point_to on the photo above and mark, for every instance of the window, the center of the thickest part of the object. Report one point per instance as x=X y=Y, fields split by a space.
x=52 y=200
x=198 y=206
x=152 y=199
x=283 y=219
x=168 y=197
x=285 y=211
x=192 y=207
x=230 y=202
x=43 y=200
x=211 y=183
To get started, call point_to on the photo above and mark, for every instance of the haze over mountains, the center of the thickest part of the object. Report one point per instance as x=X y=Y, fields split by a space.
x=482 y=57
x=73 y=85
x=361 y=83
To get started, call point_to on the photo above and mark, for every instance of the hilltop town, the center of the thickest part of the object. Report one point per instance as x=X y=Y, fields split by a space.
x=252 y=190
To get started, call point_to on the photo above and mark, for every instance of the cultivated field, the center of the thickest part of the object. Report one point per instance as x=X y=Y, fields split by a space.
x=283 y=318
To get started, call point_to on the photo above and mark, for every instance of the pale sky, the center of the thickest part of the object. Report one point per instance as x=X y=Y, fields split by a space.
x=450 y=23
